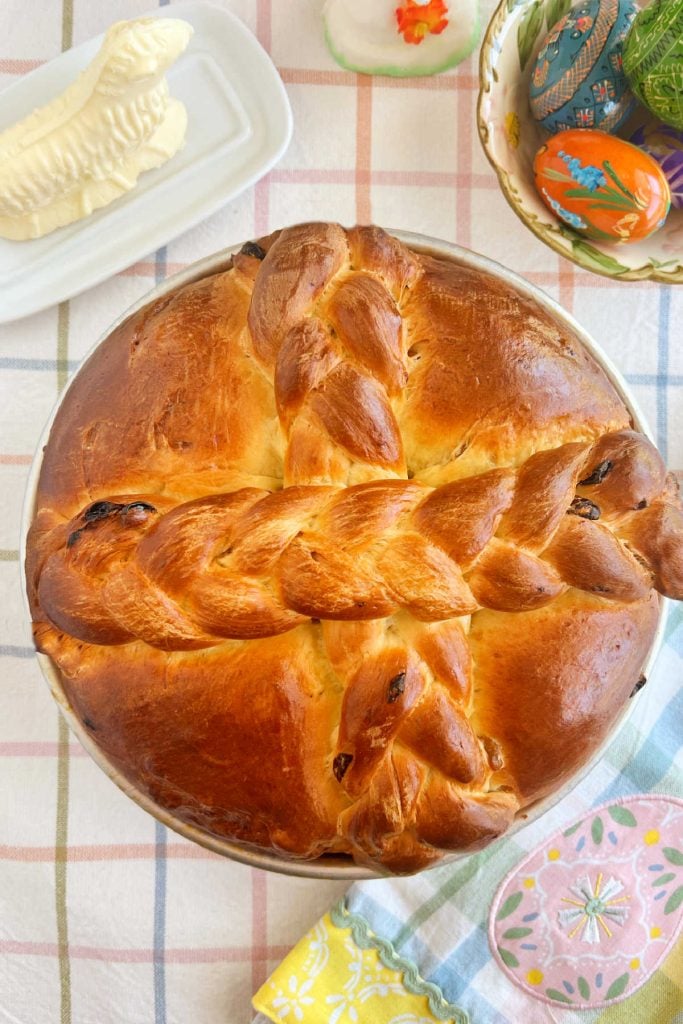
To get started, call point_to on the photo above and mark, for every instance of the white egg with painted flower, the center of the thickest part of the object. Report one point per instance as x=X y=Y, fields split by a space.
x=401 y=37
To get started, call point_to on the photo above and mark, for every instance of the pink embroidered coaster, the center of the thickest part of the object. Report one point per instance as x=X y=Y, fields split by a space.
x=585 y=919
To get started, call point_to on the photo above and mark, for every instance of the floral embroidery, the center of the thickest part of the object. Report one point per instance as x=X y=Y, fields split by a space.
x=585 y=919
x=366 y=978
x=336 y=973
x=343 y=1006
x=374 y=976
x=593 y=907
x=296 y=999
x=318 y=951
x=417 y=19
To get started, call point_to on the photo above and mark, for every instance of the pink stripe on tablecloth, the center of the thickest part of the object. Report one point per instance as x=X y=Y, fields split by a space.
x=434 y=179
x=37 y=748
x=211 y=954
x=566 y=278
x=312 y=176
x=315 y=76
x=147 y=268
x=112 y=851
x=363 y=148
x=16 y=460
x=463 y=197
x=306 y=76
x=419 y=179
x=263 y=23
x=262 y=189
x=18 y=67
x=585 y=280
x=261 y=207
x=259 y=926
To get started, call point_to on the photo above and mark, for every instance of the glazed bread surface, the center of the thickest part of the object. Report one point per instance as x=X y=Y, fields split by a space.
x=348 y=548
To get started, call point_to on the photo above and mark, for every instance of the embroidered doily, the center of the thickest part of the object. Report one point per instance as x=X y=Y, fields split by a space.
x=585 y=919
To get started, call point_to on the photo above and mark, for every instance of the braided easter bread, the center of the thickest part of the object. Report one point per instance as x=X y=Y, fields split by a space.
x=348 y=549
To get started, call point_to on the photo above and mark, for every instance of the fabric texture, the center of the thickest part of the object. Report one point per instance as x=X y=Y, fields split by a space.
x=342 y=969
x=105 y=916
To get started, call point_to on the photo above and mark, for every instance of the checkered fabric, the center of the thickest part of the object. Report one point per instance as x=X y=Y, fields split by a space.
x=105 y=917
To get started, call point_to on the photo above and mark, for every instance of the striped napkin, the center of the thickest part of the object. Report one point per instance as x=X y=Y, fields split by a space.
x=595 y=887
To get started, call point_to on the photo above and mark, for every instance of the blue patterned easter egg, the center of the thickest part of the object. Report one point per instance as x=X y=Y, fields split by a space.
x=578 y=80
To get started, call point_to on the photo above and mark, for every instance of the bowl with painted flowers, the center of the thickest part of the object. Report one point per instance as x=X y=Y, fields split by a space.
x=591 y=170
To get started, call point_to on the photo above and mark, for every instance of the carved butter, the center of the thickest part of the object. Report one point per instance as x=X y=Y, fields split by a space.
x=90 y=144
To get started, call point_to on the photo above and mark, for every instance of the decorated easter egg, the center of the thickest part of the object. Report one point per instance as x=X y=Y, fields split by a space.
x=401 y=37
x=578 y=80
x=602 y=186
x=653 y=59
x=584 y=920
x=665 y=144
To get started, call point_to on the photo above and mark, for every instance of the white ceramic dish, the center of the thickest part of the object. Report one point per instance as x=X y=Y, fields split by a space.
x=338 y=867
x=511 y=137
x=239 y=125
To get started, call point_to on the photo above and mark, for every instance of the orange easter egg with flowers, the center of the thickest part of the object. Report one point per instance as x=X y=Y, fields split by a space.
x=601 y=186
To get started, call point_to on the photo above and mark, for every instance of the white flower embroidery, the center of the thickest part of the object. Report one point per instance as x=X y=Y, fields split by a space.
x=354 y=966
x=318 y=952
x=381 y=989
x=593 y=906
x=297 y=998
x=367 y=977
x=373 y=977
x=343 y=1005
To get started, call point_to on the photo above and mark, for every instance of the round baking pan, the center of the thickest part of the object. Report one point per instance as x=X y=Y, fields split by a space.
x=329 y=866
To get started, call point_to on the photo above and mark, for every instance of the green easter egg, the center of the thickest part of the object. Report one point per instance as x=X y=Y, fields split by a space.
x=653 y=59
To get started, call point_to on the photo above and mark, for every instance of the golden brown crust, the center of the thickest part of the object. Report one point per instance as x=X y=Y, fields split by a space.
x=350 y=549
x=548 y=712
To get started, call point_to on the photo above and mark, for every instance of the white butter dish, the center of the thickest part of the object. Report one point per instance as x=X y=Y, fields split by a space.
x=239 y=125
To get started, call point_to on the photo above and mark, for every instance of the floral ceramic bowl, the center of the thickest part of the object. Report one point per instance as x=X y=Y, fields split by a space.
x=511 y=138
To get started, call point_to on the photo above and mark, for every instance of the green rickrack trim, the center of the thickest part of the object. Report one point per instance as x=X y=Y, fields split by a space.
x=364 y=937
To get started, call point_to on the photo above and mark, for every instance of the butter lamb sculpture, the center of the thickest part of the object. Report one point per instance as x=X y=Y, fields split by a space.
x=89 y=145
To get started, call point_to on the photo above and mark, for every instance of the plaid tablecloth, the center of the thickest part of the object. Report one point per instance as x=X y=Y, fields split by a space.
x=105 y=917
